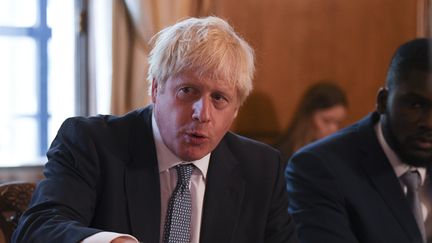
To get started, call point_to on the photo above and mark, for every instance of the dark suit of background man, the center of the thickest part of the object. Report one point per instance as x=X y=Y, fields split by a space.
x=347 y=188
x=107 y=175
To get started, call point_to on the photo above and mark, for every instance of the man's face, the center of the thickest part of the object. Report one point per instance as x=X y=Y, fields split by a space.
x=406 y=113
x=194 y=114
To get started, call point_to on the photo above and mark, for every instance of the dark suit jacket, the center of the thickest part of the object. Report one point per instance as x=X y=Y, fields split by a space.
x=102 y=175
x=344 y=189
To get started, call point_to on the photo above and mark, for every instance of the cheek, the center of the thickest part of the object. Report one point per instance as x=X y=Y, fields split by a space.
x=402 y=121
x=224 y=121
x=323 y=128
x=168 y=120
x=178 y=119
x=318 y=122
x=398 y=128
x=401 y=128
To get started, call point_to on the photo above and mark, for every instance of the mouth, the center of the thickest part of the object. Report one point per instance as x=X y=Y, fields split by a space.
x=196 y=138
x=423 y=143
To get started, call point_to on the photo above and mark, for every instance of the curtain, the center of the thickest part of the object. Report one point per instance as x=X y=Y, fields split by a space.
x=134 y=23
x=99 y=47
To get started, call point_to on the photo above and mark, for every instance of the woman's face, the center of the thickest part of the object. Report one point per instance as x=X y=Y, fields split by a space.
x=328 y=121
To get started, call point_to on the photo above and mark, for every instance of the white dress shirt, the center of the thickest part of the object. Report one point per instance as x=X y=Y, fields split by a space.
x=168 y=180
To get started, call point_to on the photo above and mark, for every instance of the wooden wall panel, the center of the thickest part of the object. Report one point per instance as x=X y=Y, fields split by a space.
x=299 y=42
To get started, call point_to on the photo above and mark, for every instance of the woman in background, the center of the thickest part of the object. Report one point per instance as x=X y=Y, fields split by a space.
x=319 y=114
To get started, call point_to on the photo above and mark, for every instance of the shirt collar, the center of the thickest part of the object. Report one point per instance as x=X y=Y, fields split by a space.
x=167 y=159
x=398 y=166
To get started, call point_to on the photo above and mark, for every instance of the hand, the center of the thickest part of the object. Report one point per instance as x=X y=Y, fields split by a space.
x=124 y=239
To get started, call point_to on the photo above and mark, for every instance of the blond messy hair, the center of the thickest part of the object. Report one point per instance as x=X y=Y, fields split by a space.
x=208 y=47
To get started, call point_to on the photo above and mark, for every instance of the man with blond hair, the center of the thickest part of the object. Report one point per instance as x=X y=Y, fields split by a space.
x=172 y=171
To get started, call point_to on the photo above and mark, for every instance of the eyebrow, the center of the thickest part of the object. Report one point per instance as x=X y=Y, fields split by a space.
x=414 y=95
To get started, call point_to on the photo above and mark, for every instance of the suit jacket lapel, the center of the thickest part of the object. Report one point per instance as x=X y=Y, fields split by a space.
x=381 y=173
x=142 y=182
x=223 y=196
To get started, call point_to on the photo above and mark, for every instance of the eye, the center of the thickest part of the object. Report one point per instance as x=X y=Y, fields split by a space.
x=186 y=92
x=416 y=104
x=220 y=100
x=219 y=97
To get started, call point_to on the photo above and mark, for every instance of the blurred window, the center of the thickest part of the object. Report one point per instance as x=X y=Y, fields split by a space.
x=37 y=71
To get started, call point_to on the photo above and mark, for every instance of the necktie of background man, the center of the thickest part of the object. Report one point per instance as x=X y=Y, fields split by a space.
x=412 y=181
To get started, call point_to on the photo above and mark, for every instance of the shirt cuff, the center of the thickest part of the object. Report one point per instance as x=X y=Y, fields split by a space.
x=104 y=237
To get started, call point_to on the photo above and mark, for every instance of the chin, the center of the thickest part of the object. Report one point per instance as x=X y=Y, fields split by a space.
x=194 y=155
x=418 y=159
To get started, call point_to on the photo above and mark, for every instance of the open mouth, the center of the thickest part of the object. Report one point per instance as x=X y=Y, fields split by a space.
x=196 y=135
x=197 y=138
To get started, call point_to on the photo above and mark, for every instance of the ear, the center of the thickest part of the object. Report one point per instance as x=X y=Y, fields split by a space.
x=382 y=100
x=154 y=90
x=236 y=112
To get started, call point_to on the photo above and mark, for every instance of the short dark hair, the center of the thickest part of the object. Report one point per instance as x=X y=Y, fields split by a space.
x=413 y=55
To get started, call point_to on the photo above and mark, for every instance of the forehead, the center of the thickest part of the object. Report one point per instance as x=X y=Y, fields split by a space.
x=416 y=80
x=335 y=112
x=204 y=81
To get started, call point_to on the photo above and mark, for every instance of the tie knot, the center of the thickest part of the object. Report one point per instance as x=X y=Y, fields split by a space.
x=411 y=179
x=184 y=172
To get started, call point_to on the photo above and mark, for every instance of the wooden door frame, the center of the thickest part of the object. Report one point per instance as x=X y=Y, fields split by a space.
x=424 y=18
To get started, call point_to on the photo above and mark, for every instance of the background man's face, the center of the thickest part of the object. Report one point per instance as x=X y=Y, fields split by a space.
x=194 y=114
x=407 y=120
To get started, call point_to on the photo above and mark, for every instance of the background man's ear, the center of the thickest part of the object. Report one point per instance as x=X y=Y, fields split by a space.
x=382 y=100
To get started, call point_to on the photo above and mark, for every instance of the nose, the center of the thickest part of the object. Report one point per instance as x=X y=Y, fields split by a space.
x=201 y=110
